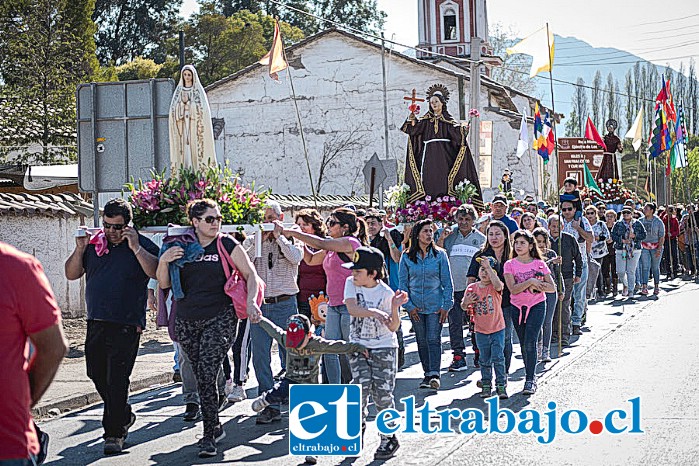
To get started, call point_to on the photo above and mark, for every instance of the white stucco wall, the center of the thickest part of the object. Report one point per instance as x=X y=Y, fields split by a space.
x=51 y=240
x=338 y=86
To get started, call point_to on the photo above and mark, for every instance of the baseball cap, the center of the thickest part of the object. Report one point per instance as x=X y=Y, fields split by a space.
x=366 y=257
x=499 y=198
x=492 y=260
x=297 y=327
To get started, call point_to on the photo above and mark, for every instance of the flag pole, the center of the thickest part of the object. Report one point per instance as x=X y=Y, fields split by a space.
x=692 y=225
x=558 y=189
x=298 y=119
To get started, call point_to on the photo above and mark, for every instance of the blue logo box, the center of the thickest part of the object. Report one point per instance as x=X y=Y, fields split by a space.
x=325 y=420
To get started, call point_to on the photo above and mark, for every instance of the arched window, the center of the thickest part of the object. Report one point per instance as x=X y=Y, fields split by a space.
x=449 y=20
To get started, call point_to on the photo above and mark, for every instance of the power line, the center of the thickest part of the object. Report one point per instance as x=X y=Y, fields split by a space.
x=363 y=33
x=641 y=60
x=682 y=18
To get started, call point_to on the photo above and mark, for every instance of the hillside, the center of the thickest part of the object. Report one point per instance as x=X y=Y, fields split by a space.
x=575 y=58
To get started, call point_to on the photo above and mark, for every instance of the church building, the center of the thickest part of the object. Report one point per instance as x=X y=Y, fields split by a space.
x=341 y=96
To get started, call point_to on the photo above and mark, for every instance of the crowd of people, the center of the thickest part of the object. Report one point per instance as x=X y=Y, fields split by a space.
x=528 y=271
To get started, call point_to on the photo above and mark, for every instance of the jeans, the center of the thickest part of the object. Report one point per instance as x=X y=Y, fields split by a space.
x=626 y=268
x=428 y=334
x=528 y=334
x=593 y=268
x=492 y=347
x=110 y=354
x=509 y=330
x=650 y=265
x=551 y=304
x=18 y=462
x=456 y=325
x=176 y=357
x=565 y=310
x=579 y=295
x=278 y=313
x=337 y=327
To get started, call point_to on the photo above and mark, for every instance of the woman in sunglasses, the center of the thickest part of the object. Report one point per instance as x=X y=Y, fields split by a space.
x=346 y=233
x=627 y=234
x=206 y=321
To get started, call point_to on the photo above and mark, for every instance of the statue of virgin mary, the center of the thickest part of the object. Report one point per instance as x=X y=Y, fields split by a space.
x=191 y=131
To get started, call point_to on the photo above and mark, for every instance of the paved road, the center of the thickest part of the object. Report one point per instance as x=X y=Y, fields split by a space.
x=644 y=349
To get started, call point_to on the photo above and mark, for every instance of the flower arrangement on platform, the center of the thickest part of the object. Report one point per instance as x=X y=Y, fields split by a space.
x=397 y=196
x=613 y=192
x=440 y=209
x=163 y=199
x=465 y=190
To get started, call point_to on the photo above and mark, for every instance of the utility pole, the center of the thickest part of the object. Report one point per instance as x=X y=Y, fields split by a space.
x=474 y=100
x=182 y=50
x=385 y=112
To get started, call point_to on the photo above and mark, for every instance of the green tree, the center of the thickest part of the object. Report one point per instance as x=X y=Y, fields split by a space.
x=139 y=68
x=307 y=23
x=358 y=14
x=131 y=28
x=572 y=125
x=46 y=54
x=514 y=71
x=680 y=183
x=221 y=46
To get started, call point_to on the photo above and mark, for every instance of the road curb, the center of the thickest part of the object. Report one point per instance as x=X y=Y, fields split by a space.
x=80 y=401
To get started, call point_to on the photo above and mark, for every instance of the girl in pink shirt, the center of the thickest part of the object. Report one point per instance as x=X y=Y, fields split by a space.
x=529 y=279
x=483 y=301
x=346 y=232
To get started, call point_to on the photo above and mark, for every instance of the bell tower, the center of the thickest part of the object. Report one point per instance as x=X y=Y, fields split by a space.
x=446 y=27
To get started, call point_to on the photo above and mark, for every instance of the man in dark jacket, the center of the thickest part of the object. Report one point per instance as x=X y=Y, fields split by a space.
x=566 y=247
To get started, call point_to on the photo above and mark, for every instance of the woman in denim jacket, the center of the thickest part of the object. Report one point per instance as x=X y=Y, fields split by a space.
x=627 y=235
x=424 y=273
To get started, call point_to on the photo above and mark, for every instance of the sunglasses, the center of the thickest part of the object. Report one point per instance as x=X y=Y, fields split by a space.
x=331 y=222
x=590 y=213
x=113 y=226
x=270 y=262
x=567 y=209
x=211 y=219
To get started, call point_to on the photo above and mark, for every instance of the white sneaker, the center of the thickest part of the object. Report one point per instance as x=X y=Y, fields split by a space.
x=259 y=404
x=229 y=387
x=237 y=394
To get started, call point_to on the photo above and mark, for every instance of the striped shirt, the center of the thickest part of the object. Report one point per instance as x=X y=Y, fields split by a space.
x=284 y=256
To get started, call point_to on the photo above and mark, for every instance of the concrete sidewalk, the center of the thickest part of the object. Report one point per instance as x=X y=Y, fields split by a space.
x=72 y=389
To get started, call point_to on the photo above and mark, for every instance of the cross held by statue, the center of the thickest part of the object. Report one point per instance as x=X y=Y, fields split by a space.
x=413 y=98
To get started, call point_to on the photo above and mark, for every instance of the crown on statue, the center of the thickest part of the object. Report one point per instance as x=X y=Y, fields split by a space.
x=440 y=89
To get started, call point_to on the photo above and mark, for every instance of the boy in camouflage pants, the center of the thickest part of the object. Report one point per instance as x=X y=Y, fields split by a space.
x=374 y=310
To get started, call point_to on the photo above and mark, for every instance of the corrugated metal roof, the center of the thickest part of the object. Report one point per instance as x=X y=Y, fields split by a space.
x=58 y=205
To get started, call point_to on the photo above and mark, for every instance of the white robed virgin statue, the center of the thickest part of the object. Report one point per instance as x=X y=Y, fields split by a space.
x=191 y=131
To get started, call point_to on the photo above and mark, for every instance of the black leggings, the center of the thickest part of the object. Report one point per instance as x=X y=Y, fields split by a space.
x=206 y=343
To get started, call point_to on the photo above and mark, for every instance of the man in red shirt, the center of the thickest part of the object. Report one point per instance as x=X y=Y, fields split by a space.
x=28 y=311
